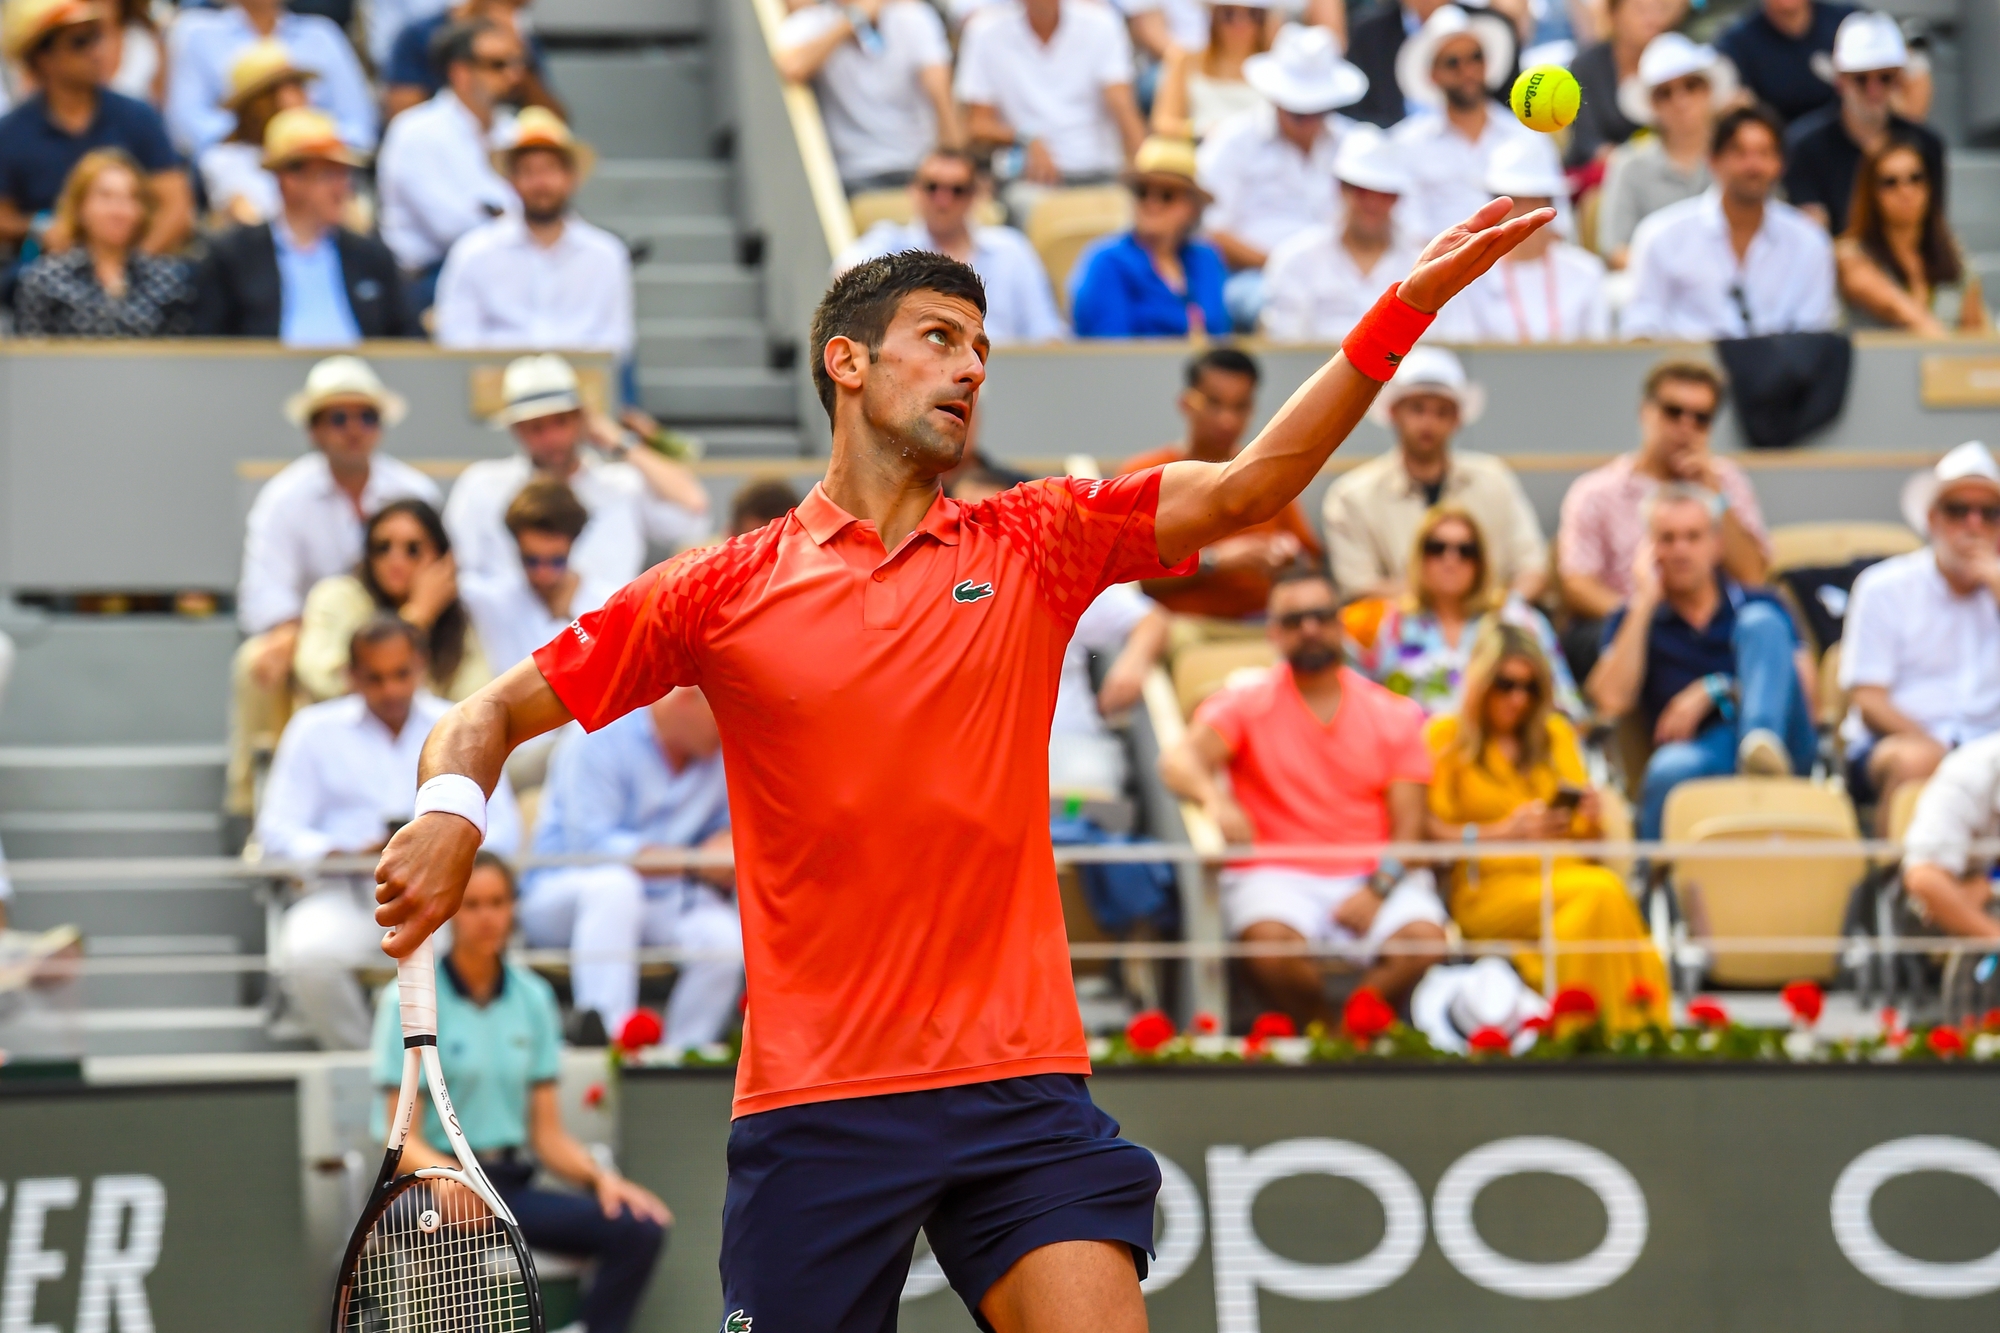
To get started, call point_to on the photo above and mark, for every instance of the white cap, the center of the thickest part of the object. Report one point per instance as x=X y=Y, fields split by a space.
x=1367 y=159
x=1866 y=41
x=537 y=386
x=1304 y=72
x=1433 y=370
x=1971 y=461
x=1413 y=62
x=344 y=379
x=1668 y=57
x=1527 y=168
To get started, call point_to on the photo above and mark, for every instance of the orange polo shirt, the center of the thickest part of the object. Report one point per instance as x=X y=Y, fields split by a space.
x=885 y=729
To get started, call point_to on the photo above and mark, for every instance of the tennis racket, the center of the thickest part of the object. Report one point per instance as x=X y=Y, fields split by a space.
x=436 y=1250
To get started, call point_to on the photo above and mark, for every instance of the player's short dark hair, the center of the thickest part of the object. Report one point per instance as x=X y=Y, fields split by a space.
x=547 y=505
x=494 y=861
x=1684 y=370
x=1732 y=123
x=862 y=302
x=760 y=503
x=1303 y=571
x=452 y=45
x=1227 y=360
x=385 y=627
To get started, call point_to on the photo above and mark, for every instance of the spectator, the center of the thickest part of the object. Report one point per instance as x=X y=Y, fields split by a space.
x=647 y=784
x=1600 y=532
x=1899 y=265
x=1269 y=171
x=519 y=612
x=544 y=278
x=205 y=43
x=93 y=281
x=1423 y=644
x=1374 y=43
x=1920 y=649
x=60 y=45
x=1544 y=290
x=1824 y=148
x=1020 y=307
x=1233 y=580
x=1602 y=72
x=1051 y=79
x=405 y=570
x=412 y=74
x=499 y=1044
x=343 y=780
x=1319 y=284
x=1781 y=48
x=387 y=21
x=306 y=525
x=303 y=277
x=1676 y=93
x=134 y=53
x=1372 y=513
x=634 y=495
x=1316 y=754
x=1734 y=261
x=881 y=70
x=1714 y=669
x=1130 y=630
x=1960 y=805
x=1449 y=69
x=760 y=504
x=1157 y=280
x=1158 y=27
x=1203 y=85
x=1509 y=769
x=435 y=174
x=262 y=82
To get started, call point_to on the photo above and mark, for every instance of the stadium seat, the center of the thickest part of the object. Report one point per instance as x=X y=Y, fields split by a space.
x=1803 y=545
x=1202 y=669
x=1759 y=898
x=1067 y=220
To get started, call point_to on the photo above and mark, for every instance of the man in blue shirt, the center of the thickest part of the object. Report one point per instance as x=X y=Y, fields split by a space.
x=61 y=44
x=1776 y=48
x=1714 y=668
x=206 y=42
x=650 y=782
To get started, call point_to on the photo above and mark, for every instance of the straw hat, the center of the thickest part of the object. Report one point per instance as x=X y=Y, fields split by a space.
x=537 y=386
x=1304 y=72
x=1494 y=34
x=262 y=66
x=1368 y=160
x=1430 y=370
x=1169 y=159
x=539 y=127
x=1971 y=461
x=344 y=379
x=1668 y=57
x=25 y=23
x=303 y=133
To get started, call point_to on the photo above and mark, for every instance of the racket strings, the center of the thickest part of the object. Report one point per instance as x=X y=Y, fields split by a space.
x=437 y=1261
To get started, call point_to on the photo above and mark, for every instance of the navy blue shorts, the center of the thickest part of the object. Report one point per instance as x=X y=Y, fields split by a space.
x=825 y=1199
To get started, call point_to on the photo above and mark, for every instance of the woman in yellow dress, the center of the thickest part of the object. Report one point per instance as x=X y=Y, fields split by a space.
x=1509 y=769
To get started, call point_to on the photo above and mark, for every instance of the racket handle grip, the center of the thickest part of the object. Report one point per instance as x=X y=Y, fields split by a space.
x=416 y=993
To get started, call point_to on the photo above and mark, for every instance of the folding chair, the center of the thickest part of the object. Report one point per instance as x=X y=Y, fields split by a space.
x=1203 y=668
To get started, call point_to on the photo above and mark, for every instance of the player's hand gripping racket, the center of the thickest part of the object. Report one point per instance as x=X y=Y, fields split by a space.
x=436 y=1250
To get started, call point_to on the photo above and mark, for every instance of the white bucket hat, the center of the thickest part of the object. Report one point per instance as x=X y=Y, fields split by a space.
x=1452 y=1003
x=1971 y=461
x=1668 y=57
x=1866 y=42
x=344 y=379
x=1304 y=72
x=1368 y=160
x=1430 y=370
x=1527 y=168
x=537 y=386
x=1413 y=63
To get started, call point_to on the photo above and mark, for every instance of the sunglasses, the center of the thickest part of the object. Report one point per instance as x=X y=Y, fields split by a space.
x=339 y=417
x=81 y=40
x=559 y=563
x=413 y=549
x=1898 y=182
x=1676 y=413
x=1688 y=86
x=1958 y=511
x=1166 y=194
x=512 y=65
x=1435 y=549
x=1515 y=685
x=1460 y=62
x=1885 y=77
x=1296 y=620
x=936 y=188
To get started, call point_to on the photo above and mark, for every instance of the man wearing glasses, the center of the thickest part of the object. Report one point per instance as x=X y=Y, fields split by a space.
x=1020 y=308
x=1823 y=149
x=515 y=616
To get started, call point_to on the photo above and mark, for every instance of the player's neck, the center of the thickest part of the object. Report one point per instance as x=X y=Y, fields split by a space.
x=884 y=490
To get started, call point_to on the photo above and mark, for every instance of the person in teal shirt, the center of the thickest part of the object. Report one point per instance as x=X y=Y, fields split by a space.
x=499 y=1041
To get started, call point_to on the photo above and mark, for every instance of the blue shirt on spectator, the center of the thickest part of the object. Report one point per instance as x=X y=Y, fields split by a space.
x=611 y=792
x=36 y=154
x=491 y=1053
x=1678 y=654
x=410 y=56
x=313 y=305
x=1778 y=67
x=1117 y=293
x=204 y=43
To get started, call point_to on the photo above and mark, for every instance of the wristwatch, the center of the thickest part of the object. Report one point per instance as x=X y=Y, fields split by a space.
x=1388 y=872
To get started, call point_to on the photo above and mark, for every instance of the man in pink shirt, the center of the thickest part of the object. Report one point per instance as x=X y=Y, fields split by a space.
x=1316 y=754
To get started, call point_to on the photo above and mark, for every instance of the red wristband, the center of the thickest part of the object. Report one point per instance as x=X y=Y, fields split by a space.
x=1377 y=345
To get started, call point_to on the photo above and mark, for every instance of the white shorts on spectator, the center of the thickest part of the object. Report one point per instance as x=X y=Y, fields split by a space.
x=1306 y=902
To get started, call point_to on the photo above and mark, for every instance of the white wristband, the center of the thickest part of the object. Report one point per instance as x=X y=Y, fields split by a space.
x=453 y=794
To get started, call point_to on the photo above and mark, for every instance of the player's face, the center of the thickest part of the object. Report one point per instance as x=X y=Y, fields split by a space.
x=920 y=388
x=1686 y=545
x=485 y=919
x=1304 y=624
x=386 y=676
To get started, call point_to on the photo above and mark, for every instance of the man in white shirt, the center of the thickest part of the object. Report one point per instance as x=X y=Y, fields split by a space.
x=306 y=525
x=1020 y=308
x=435 y=174
x=544 y=279
x=1733 y=261
x=881 y=70
x=518 y=611
x=636 y=497
x=1920 y=648
x=1547 y=290
x=343 y=780
x=1960 y=805
x=1130 y=628
x=1320 y=283
x=1053 y=79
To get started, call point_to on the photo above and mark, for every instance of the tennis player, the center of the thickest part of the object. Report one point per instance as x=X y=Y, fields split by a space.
x=883 y=664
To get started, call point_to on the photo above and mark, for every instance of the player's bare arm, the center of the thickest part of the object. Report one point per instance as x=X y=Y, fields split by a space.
x=421 y=876
x=1203 y=502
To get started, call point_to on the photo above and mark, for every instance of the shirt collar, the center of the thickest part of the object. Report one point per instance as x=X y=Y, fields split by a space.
x=823 y=520
x=457 y=983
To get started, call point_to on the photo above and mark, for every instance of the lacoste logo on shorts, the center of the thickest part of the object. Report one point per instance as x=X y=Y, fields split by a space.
x=969 y=591
x=737 y=1322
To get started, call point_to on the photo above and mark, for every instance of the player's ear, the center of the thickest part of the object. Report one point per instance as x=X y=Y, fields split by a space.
x=846 y=361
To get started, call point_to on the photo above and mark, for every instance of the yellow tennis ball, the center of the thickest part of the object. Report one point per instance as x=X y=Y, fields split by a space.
x=1546 y=97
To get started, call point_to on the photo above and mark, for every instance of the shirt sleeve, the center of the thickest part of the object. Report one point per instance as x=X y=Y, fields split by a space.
x=1083 y=535
x=929 y=45
x=1114 y=59
x=1222 y=713
x=1868 y=638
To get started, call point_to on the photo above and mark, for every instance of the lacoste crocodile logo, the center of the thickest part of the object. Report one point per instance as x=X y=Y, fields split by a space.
x=969 y=591
x=738 y=1322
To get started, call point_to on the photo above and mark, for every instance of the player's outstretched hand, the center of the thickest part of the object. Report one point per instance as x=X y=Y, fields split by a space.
x=421 y=878
x=1460 y=254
